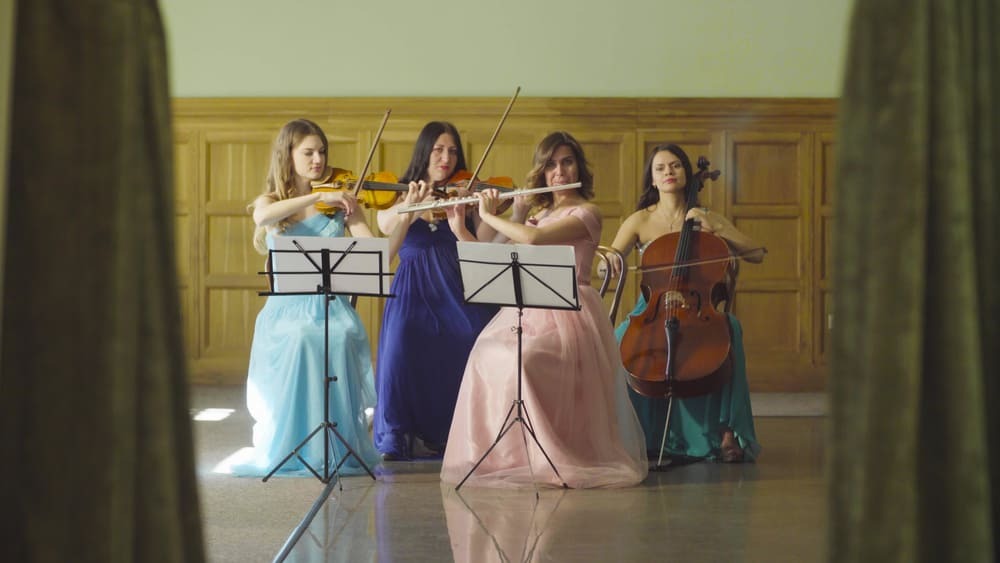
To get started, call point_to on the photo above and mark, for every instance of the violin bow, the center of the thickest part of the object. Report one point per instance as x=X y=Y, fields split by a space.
x=371 y=154
x=475 y=173
x=671 y=266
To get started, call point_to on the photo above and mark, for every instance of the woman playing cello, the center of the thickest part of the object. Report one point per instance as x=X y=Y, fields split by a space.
x=714 y=426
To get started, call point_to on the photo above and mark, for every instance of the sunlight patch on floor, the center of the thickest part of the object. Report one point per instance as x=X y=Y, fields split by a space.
x=211 y=415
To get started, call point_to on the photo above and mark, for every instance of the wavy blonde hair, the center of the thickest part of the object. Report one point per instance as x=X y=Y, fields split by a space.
x=543 y=153
x=280 y=181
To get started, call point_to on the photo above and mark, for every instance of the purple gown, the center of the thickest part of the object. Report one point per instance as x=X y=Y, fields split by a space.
x=427 y=332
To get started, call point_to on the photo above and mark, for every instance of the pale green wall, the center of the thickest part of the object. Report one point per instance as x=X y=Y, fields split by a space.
x=657 y=48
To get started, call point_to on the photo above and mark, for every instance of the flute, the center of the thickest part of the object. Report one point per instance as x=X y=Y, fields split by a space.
x=437 y=204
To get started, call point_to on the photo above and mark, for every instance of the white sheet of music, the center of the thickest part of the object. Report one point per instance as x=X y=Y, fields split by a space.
x=548 y=274
x=364 y=270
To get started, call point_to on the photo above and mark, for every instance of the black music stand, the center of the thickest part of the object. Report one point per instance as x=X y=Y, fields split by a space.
x=330 y=267
x=522 y=276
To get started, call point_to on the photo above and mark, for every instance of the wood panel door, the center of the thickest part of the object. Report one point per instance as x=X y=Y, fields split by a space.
x=769 y=197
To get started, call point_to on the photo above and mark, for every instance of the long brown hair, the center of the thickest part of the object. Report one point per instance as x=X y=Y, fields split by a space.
x=543 y=153
x=421 y=158
x=280 y=181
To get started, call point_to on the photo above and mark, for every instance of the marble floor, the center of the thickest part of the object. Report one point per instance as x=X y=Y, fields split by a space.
x=773 y=510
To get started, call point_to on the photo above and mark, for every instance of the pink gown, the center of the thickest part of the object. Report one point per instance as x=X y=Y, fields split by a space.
x=574 y=392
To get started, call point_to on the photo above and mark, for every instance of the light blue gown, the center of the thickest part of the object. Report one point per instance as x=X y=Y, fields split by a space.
x=285 y=380
x=696 y=423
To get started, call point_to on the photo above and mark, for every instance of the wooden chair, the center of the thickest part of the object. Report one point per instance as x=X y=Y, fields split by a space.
x=607 y=257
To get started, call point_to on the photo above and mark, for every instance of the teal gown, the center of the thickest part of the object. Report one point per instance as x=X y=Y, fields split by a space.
x=696 y=423
x=285 y=379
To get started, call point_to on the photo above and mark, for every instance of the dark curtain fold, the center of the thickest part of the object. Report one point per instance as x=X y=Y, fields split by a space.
x=96 y=439
x=914 y=468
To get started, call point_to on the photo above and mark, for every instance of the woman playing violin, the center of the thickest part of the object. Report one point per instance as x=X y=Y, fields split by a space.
x=285 y=378
x=437 y=158
x=572 y=383
x=427 y=328
x=714 y=426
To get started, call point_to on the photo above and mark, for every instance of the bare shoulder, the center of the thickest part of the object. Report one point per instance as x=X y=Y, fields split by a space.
x=592 y=208
x=637 y=219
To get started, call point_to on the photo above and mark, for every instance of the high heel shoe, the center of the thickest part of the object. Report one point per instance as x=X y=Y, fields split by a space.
x=422 y=449
x=730 y=448
x=435 y=447
x=405 y=455
x=389 y=456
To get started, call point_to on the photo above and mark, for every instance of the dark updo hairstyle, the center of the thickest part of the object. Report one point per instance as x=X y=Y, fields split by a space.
x=650 y=195
x=421 y=158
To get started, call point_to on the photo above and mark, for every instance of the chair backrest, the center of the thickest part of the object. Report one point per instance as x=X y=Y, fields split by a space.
x=609 y=261
x=726 y=295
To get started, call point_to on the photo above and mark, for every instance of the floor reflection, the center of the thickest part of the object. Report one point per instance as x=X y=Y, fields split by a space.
x=560 y=525
x=341 y=530
x=772 y=510
x=494 y=525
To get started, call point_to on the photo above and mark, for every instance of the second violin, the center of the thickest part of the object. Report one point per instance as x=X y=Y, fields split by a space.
x=380 y=190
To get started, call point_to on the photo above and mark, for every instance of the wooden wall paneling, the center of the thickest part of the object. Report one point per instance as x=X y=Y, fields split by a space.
x=770 y=187
x=611 y=157
x=775 y=158
x=510 y=155
x=823 y=274
x=812 y=376
x=186 y=153
x=235 y=164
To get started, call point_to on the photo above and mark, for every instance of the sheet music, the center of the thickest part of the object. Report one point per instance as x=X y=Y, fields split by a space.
x=548 y=274
x=362 y=271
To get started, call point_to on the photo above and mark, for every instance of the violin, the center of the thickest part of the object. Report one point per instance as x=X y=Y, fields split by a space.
x=679 y=346
x=460 y=180
x=380 y=190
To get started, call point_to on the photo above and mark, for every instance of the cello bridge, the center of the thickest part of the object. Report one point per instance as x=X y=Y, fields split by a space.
x=674 y=300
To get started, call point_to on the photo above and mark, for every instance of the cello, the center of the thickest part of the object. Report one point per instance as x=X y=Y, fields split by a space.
x=679 y=346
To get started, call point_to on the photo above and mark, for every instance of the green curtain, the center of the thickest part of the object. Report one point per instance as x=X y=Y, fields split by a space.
x=914 y=470
x=95 y=441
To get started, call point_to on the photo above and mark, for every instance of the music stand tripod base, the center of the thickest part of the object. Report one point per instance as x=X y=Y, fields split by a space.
x=527 y=276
